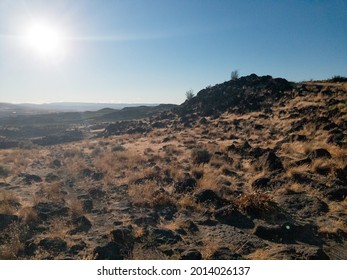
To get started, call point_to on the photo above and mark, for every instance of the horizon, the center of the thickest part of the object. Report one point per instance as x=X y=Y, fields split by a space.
x=154 y=51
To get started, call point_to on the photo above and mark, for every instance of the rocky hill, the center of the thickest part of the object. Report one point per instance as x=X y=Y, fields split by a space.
x=254 y=168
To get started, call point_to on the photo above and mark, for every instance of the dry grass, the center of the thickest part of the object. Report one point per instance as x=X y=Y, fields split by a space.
x=12 y=241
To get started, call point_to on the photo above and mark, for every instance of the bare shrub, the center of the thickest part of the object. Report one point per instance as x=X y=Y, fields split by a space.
x=200 y=156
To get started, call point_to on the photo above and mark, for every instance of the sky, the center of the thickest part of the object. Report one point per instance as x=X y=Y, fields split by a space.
x=154 y=51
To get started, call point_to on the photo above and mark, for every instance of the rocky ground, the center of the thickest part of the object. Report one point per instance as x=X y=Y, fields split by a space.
x=254 y=168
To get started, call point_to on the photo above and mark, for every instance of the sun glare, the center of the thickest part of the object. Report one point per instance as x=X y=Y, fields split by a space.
x=45 y=39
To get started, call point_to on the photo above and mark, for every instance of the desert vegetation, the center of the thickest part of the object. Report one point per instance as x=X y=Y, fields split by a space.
x=254 y=168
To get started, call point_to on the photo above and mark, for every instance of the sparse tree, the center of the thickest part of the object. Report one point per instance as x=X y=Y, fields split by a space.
x=234 y=75
x=189 y=94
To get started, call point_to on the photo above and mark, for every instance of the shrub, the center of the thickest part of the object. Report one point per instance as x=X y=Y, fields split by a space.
x=189 y=95
x=4 y=172
x=118 y=148
x=200 y=156
x=234 y=75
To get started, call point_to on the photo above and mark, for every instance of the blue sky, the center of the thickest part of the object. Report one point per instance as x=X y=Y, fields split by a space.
x=153 y=51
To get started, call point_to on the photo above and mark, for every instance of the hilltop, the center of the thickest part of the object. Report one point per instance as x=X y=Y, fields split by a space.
x=252 y=168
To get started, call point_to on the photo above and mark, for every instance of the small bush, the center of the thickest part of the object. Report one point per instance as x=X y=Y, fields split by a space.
x=234 y=75
x=338 y=79
x=4 y=172
x=118 y=148
x=200 y=156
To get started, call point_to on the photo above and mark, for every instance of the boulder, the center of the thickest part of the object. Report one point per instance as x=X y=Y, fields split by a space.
x=269 y=161
x=54 y=245
x=231 y=216
x=6 y=220
x=191 y=254
x=224 y=253
x=47 y=210
x=185 y=186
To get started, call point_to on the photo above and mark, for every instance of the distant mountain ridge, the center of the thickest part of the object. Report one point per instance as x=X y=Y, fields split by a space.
x=10 y=109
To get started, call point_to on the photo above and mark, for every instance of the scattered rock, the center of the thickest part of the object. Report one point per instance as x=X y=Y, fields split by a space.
x=319 y=153
x=30 y=178
x=6 y=220
x=110 y=251
x=271 y=162
x=55 y=245
x=224 y=253
x=303 y=205
x=297 y=252
x=75 y=249
x=209 y=197
x=56 y=163
x=185 y=186
x=96 y=193
x=191 y=254
x=288 y=233
x=87 y=205
x=336 y=193
x=230 y=216
x=82 y=225
x=262 y=184
x=51 y=178
x=164 y=236
x=47 y=210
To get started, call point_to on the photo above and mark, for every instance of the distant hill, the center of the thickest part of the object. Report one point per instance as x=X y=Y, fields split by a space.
x=24 y=118
x=9 y=109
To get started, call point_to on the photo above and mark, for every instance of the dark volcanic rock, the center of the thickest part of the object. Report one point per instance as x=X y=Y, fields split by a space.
x=123 y=235
x=288 y=233
x=336 y=193
x=319 y=153
x=210 y=197
x=191 y=254
x=262 y=183
x=51 y=178
x=271 y=162
x=164 y=236
x=82 y=225
x=30 y=178
x=96 y=192
x=185 y=186
x=230 y=216
x=224 y=253
x=303 y=205
x=87 y=205
x=6 y=220
x=110 y=251
x=55 y=245
x=47 y=210
x=119 y=248
x=298 y=252
x=75 y=249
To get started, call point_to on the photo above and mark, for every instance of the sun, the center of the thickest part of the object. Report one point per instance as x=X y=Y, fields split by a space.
x=45 y=39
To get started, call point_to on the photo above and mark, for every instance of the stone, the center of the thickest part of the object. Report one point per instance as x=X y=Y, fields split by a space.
x=185 y=186
x=47 y=210
x=82 y=225
x=261 y=184
x=271 y=162
x=224 y=253
x=191 y=254
x=231 y=216
x=209 y=197
x=55 y=245
x=30 y=178
x=6 y=220
x=319 y=153
x=164 y=236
